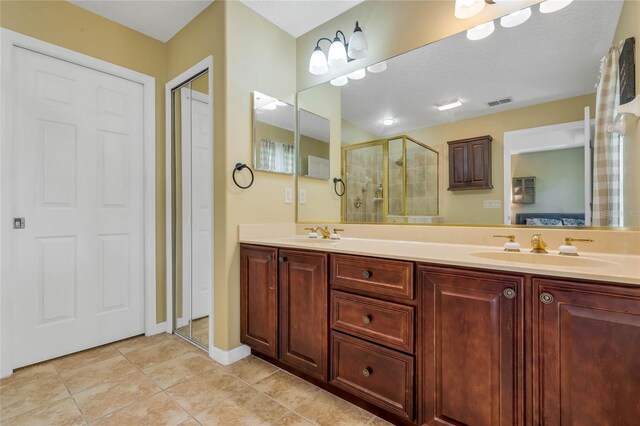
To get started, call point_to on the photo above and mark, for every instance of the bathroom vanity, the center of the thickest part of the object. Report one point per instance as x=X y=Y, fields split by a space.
x=419 y=338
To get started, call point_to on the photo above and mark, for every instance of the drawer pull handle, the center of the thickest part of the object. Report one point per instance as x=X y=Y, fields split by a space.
x=367 y=372
x=366 y=319
x=509 y=293
x=366 y=274
x=546 y=298
x=282 y=259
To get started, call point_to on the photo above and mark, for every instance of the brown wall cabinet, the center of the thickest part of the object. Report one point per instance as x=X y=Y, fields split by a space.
x=586 y=354
x=470 y=163
x=472 y=347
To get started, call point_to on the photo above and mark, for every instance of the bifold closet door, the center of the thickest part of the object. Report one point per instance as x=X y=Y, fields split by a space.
x=77 y=179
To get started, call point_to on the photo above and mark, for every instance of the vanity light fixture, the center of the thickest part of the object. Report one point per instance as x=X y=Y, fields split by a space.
x=550 y=6
x=450 y=105
x=340 y=81
x=516 y=18
x=376 y=68
x=481 y=31
x=388 y=121
x=357 y=74
x=340 y=52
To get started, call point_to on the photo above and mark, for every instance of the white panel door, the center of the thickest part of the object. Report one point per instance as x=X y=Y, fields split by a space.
x=78 y=182
x=197 y=207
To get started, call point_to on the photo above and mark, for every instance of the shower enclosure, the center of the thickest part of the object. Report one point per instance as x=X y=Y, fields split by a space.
x=390 y=180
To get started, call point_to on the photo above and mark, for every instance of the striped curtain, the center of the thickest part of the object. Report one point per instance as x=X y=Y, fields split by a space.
x=288 y=158
x=267 y=154
x=276 y=156
x=606 y=155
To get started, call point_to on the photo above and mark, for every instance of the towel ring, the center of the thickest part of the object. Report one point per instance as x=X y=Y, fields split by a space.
x=238 y=168
x=335 y=187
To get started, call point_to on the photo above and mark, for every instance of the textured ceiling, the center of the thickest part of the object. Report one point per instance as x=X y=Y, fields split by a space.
x=158 y=19
x=549 y=57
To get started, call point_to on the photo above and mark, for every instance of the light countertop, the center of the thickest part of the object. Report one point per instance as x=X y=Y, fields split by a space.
x=613 y=268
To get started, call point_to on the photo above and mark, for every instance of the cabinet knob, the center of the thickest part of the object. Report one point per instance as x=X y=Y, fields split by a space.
x=366 y=274
x=366 y=319
x=546 y=298
x=367 y=372
x=509 y=293
x=282 y=259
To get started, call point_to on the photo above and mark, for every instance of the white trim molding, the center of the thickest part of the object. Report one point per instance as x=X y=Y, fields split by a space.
x=8 y=41
x=205 y=65
x=229 y=357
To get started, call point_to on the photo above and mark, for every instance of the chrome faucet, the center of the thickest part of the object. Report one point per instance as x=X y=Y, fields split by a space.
x=538 y=245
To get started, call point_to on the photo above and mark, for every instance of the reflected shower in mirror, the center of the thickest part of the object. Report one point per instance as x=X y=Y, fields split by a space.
x=538 y=74
x=191 y=208
x=273 y=134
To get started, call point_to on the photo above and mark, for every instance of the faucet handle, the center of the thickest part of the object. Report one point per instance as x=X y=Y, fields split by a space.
x=335 y=235
x=312 y=232
x=512 y=238
x=569 y=240
x=310 y=229
x=511 y=245
x=568 y=249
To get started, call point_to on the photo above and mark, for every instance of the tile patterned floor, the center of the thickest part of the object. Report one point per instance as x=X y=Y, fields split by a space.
x=163 y=380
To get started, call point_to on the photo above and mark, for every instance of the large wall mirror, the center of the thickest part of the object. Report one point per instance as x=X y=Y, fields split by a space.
x=532 y=88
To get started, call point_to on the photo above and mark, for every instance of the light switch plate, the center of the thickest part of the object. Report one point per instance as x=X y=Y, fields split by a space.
x=302 y=196
x=491 y=204
x=288 y=196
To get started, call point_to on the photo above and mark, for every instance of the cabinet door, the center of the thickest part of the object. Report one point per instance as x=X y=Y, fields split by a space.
x=472 y=347
x=586 y=354
x=304 y=306
x=479 y=152
x=458 y=165
x=259 y=298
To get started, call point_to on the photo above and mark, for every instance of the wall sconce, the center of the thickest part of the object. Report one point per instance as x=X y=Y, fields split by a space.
x=340 y=52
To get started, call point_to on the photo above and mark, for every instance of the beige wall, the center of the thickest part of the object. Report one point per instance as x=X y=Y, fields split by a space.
x=352 y=134
x=310 y=146
x=629 y=26
x=468 y=206
x=69 y=26
x=559 y=180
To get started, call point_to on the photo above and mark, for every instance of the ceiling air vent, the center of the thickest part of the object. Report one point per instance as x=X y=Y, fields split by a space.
x=500 y=102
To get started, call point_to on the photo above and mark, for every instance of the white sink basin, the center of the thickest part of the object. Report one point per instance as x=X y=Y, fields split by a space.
x=544 y=259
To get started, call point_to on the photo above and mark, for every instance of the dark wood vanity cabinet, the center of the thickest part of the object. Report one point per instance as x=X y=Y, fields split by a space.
x=259 y=298
x=304 y=312
x=471 y=337
x=470 y=163
x=586 y=353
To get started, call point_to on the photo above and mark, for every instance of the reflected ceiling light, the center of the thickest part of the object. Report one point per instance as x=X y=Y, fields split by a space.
x=551 y=6
x=340 y=81
x=271 y=106
x=340 y=52
x=516 y=18
x=467 y=8
x=388 y=121
x=357 y=74
x=280 y=103
x=376 y=68
x=481 y=31
x=450 y=105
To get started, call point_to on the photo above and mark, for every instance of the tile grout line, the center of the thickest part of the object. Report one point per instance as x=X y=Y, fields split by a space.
x=84 y=418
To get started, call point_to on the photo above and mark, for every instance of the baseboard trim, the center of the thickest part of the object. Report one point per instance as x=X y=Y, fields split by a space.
x=156 y=329
x=229 y=357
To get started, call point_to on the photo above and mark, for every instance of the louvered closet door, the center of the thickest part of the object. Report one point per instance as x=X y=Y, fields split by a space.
x=77 y=180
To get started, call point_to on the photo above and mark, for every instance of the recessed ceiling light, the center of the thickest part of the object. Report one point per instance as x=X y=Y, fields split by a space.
x=450 y=105
x=340 y=81
x=481 y=31
x=357 y=74
x=388 y=121
x=376 y=68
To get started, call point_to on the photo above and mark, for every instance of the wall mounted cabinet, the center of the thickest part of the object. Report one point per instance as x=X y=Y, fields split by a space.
x=470 y=163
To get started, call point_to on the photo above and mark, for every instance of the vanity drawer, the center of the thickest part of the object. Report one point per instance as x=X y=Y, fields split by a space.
x=393 y=278
x=387 y=323
x=379 y=375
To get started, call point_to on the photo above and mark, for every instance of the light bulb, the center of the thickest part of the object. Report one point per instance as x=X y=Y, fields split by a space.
x=340 y=81
x=467 y=8
x=516 y=18
x=388 y=121
x=376 y=68
x=318 y=62
x=551 y=6
x=358 y=44
x=481 y=31
x=337 y=54
x=357 y=74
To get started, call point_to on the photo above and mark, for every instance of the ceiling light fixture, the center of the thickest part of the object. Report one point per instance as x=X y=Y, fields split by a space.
x=516 y=18
x=388 y=121
x=340 y=81
x=551 y=6
x=357 y=74
x=450 y=105
x=481 y=31
x=340 y=52
x=376 y=68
